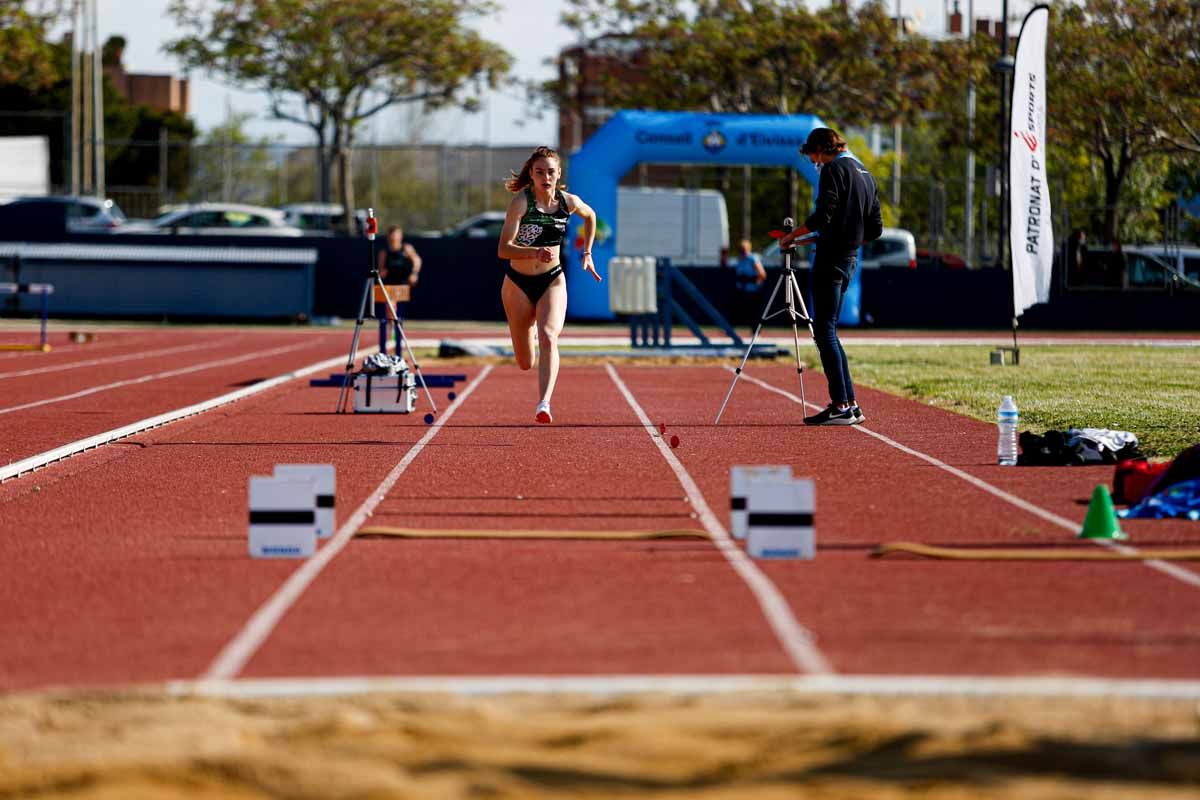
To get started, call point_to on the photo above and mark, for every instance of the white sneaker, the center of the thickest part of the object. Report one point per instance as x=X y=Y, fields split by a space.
x=542 y=413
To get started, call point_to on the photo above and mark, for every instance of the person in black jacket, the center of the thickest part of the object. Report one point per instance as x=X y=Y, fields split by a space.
x=846 y=215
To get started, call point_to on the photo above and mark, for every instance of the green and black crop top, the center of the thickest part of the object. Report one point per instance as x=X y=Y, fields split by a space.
x=540 y=229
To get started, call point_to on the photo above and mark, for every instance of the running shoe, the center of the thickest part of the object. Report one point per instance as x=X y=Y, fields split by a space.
x=542 y=413
x=832 y=416
x=859 y=416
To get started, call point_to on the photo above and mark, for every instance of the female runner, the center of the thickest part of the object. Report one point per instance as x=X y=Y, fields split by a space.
x=535 y=289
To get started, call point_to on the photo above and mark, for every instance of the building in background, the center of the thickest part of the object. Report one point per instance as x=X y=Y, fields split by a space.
x=584 y=72
x=160 y=92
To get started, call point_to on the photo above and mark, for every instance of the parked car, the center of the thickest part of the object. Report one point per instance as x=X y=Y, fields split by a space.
x=223 y=219
x=1147 y=268
x=481 y=226
x=316 y=218
x=1185 y=258
x=928 y=260
x=83 y=214
x=895 y=247
x=771 y=257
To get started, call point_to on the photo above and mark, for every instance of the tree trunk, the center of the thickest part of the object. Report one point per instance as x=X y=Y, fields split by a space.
x=341 y=154
x=346 y=170
x=346 y=187
x=323 y=167
x=1116 y=169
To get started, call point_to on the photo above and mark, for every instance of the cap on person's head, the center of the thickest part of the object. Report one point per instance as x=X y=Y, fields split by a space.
x=823 y=140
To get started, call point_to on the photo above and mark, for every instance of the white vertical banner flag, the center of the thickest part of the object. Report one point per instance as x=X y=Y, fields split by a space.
x=1030 y=231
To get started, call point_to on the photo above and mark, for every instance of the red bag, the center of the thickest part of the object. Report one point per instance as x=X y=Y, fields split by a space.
x=1132 y=478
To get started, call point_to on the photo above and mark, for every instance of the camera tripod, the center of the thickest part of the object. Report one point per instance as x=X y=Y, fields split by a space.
x=375 y=283
x=792 y=298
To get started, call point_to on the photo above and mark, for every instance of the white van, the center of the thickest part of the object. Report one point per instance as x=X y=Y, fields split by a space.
x=688 y=226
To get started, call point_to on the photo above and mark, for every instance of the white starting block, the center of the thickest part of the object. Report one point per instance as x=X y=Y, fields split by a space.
x=385 y=394
x=780 y=518
x=739 y=488
x=283 y=517
x=325 y=478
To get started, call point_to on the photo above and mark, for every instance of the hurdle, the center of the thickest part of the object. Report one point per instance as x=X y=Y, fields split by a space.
x=43 y=289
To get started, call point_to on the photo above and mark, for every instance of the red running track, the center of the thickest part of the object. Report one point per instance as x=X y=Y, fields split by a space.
x=128 y=563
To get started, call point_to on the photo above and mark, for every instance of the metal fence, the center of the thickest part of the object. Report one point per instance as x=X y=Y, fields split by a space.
x=433 y=186
x=419 y=186
x=423 y=187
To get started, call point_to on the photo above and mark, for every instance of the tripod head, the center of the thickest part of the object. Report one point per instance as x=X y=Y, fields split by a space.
x=372 y=226
x=789 y=225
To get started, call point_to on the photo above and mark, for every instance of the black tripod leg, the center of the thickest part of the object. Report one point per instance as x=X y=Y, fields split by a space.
x=793 y=296
x=404 y=340
x=416 y=367
x=358 y=323
x=737 y=373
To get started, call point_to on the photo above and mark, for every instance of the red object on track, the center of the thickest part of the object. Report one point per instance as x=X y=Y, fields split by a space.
x=674 y=442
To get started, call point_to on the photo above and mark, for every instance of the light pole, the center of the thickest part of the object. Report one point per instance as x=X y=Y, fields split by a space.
x=76 y=95
x=97 y=101
x=897 y=128
x=1004 y=68
x=969 y=187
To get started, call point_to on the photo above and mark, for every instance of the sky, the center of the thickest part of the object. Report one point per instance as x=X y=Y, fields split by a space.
x=528 y=29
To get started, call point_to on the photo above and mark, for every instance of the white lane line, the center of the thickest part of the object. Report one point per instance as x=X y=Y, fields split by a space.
x=797 y=641
x=274 y=351
x=238 y=652
x=615 y=685
x=114 y=359
x=1165 y=567
x=42 y=459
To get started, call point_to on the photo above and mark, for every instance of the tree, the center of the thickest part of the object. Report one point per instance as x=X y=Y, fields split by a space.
x=330 y=64
x=231 y=166
x=1122 y=84
x=27 y=59
x=764 y=56
x=1163 y=36
x=849 y=66
x=127 y=164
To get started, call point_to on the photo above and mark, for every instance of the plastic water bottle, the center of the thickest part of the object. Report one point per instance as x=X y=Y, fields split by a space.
x=1007 y=417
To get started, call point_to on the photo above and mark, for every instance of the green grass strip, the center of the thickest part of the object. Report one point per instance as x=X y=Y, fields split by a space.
x=1153 y=392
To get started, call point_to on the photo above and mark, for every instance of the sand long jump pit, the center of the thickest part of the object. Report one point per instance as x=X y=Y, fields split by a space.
x=745 y=744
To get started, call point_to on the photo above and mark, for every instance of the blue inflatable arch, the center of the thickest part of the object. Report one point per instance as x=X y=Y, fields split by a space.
x=633 y=137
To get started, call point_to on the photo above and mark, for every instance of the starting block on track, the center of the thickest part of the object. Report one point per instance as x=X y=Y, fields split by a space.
x=291 y=509
x=739 y=489
x=324 y=476
x=283 y=517
x=780 y=517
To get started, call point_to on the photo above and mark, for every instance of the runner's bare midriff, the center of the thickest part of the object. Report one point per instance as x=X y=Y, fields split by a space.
x=531 y=266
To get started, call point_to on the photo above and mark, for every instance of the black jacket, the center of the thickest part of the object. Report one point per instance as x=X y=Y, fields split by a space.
x=847 y=209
